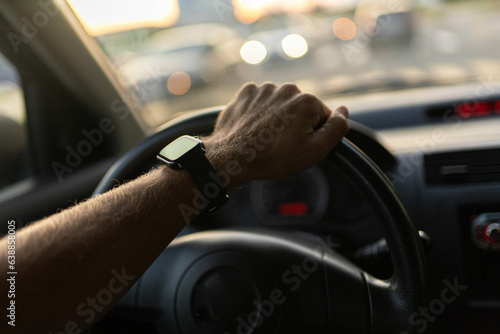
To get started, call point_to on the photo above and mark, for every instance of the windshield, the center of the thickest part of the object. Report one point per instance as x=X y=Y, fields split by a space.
x=185 y=55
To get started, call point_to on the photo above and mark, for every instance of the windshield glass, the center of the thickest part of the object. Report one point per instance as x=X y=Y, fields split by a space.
x=180 y=55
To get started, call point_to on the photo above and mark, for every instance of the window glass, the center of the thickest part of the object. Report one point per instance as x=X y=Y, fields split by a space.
x=13 y=134
x=181 y=55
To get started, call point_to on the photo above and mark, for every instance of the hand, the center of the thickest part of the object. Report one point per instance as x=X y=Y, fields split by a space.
x=274 y=132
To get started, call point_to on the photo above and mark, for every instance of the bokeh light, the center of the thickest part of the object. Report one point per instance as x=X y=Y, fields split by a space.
x=344 y=29
x=248 y=11
x=179 y=83
x=294 y=46
x=253 y=52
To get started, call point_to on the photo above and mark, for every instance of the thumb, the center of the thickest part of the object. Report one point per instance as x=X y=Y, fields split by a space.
x=332 y=131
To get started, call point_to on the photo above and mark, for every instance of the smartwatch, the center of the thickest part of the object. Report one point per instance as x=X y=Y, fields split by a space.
x=188 y=153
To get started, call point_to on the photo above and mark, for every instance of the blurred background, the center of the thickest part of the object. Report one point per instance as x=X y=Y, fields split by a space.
x=179 y=55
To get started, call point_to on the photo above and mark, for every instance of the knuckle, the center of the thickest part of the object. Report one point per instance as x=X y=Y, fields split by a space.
x=249 y=87
x=308 y=98
x=268 y=86
x=290 y=89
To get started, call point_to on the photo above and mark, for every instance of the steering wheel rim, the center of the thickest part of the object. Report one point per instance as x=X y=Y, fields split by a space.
x=392 y=301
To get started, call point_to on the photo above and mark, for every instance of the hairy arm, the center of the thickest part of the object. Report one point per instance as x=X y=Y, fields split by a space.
x=101 y=247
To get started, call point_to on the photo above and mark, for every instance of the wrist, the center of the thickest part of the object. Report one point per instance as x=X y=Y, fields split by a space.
x=225 y=161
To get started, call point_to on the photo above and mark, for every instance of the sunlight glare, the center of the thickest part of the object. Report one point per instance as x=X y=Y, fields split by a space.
x=104 y=17
x=249 y=11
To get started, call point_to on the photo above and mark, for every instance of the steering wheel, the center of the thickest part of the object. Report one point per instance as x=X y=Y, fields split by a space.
x=269 y=281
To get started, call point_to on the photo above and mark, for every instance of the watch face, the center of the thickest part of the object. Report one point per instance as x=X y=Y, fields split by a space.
x=179 y=147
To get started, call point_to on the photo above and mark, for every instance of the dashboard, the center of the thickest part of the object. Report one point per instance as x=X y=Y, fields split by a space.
x=445 y=167
x=319 y=199
x=441 y=151
x=447 y=144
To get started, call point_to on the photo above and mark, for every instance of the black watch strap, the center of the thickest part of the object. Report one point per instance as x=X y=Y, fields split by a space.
x=207 y=181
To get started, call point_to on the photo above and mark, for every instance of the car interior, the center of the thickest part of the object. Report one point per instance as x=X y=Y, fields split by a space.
x=396 y=231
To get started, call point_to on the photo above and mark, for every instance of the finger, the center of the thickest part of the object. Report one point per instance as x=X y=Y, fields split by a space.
x=287 y=91
x=264 y=92
x=246 y=97
x=225 y=118
x=266 y=88
x=308 y=103
x=247 y=90
x=240 y=102
x=343 y=110
x=311 y=110
x=332 y=131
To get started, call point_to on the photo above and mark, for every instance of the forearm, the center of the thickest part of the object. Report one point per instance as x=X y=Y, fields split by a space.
x=100 y=247
x=64 y=259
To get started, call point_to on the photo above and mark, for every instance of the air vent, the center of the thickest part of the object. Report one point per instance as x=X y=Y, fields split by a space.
x=463 y=167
